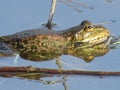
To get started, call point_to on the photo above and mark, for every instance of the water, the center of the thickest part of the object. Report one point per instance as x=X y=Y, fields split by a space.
x=17 y=16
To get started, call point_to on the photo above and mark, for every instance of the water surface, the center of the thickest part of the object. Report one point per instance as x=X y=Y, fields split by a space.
x=26 y=14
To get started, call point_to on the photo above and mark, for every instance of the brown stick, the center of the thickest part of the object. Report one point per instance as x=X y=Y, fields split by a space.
x=29 y=69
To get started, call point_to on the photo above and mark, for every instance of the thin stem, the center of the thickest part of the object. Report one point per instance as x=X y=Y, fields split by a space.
x=49 y=23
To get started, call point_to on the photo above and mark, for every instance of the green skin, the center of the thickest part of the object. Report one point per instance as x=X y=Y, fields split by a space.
x=43 y=40
x=85 y=33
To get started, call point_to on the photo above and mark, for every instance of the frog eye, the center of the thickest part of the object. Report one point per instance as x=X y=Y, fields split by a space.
x=89 y=28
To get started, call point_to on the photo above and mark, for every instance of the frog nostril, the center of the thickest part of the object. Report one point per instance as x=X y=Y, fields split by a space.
x=99 y=38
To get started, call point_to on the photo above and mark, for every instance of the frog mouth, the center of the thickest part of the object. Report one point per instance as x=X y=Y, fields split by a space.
x=90 y=42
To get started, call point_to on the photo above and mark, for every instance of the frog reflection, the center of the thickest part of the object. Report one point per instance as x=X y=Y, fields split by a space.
x=41 y=55
x=87 y=54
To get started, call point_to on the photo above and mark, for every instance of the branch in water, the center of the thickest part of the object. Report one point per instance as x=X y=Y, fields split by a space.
x=30 y=69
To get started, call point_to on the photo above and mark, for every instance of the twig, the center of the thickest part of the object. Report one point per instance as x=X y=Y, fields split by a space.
x=49 y=23
x=29 y=69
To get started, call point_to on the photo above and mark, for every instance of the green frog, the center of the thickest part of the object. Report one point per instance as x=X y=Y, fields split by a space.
x=85 y=33
x=46 y=41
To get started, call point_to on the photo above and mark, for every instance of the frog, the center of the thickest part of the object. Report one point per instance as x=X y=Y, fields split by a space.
x=42 y=41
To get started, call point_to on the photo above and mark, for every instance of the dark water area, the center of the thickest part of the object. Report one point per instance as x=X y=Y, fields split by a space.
x=16 y=16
